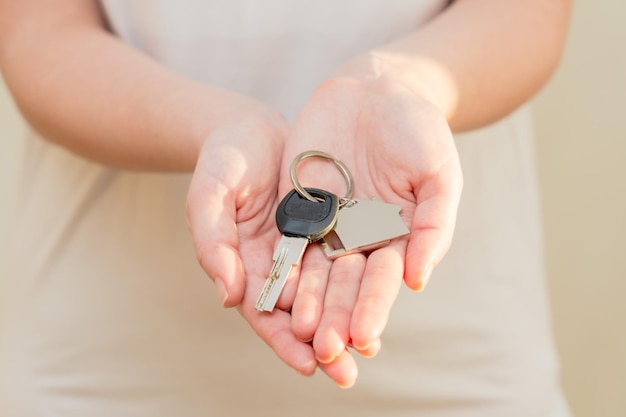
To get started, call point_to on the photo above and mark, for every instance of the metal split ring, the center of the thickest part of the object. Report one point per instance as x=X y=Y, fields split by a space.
x=319 y=154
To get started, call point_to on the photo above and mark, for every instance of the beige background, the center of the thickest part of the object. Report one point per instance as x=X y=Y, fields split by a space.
x=580 y=122
x=581 y=143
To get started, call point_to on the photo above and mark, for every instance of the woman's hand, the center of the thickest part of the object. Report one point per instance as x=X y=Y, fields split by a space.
x=230 y=208
x=399 y=149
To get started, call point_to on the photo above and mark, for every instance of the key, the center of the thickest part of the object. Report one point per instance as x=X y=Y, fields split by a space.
x=363 y=225
x=301 y=222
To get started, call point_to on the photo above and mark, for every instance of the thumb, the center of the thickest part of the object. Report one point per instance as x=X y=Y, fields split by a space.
x=211 y=215
x=432 y=227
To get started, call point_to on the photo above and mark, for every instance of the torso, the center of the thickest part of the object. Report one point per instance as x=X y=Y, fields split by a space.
x=111 y=315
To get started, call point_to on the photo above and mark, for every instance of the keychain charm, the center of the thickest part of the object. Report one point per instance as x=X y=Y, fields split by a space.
x=362 y=226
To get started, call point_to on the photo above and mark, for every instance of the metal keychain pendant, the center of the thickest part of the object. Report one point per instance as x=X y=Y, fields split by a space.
x=362 y=226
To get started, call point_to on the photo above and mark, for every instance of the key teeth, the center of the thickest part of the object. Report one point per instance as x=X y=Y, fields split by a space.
x=261 y=304
x=262 y=309
x=288 y=254
x=274 y=275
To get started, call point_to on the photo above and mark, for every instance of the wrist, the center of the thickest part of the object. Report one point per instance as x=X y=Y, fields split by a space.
x=252 y=121
x=423 y=77
x=224 y=109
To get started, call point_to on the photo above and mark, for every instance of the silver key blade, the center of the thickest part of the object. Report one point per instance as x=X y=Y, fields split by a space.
x=365 y=226
x=287 y=255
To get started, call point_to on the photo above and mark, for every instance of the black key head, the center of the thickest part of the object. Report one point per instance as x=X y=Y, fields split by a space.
x=300 y=217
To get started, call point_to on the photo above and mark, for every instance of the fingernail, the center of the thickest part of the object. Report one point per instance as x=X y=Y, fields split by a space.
x=366 y=342
x=375 y=346
x=427 y=273
x=306 y=373
x=325 y=360
x=221 y=290
x=308 y=368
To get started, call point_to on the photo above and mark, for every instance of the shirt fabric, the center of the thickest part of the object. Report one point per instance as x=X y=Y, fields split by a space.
x=109 y=314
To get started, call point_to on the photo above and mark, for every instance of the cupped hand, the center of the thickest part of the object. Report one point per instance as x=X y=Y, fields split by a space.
x=399 y=149
x=231 y=206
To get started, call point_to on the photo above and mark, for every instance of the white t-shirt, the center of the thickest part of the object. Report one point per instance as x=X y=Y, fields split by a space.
x=109 y=314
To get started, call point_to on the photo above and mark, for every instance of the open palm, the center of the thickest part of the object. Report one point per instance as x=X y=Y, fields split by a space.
x=230 y=209
x=399 y=149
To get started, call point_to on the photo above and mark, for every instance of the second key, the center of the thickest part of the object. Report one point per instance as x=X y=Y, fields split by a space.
x=301 y=222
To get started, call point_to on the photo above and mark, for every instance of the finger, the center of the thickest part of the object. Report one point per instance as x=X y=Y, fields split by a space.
x=343 y=370
x=275 y=330
x=211 y=217
x=381 y=282
x=424 y=252
x=333 y=333
x=372 y=350
x=432 y=226
x=308 y=305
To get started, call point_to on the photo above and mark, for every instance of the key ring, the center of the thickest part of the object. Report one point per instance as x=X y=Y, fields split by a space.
x=319 y=154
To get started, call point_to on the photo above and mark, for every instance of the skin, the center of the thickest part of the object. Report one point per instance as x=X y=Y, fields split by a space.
x=393 y=109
